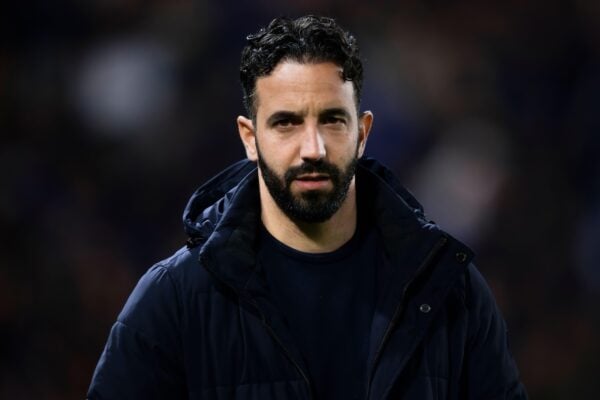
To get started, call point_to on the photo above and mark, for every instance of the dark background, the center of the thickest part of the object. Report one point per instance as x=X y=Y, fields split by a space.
x=113 y=112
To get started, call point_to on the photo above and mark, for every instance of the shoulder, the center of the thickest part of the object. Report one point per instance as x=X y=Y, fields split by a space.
x=476 y=296
x=160 y=296
x=184 y=269
x=479 y=298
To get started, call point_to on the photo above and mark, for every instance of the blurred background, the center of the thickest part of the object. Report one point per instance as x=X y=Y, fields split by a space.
x=113 y=111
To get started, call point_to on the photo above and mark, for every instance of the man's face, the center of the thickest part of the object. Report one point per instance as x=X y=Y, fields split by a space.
x=306 y=138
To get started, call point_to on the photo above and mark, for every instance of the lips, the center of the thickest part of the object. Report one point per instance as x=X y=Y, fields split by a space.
x=312 y=177
x=312 y=181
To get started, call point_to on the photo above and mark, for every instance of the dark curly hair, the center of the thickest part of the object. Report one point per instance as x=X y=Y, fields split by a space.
x=308 y=39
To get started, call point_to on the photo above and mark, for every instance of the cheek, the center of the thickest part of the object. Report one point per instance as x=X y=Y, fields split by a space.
x=272 y=159
x=347 y=151
x=279 y=154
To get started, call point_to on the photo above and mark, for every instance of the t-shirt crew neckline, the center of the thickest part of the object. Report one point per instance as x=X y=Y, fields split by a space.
x=340 y=253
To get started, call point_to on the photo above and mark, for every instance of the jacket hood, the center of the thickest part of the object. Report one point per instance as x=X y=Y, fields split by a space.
x=210 y=201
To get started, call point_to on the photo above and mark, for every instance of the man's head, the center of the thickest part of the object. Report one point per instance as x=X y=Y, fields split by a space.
x=301 y=82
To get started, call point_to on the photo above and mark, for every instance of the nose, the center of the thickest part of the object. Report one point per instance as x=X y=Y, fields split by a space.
x=313 y=145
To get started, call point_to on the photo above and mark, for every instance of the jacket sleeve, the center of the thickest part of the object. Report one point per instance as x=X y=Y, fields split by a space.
x=142 y=357
x=491 y=372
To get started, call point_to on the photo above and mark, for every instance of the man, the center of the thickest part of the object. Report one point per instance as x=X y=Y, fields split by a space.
x=314 y=275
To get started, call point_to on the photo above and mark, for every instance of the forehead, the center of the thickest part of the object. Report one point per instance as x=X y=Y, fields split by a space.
x=293 y=86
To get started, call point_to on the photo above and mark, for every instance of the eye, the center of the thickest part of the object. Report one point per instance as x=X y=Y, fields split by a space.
x=284 y=122
x=334 y=120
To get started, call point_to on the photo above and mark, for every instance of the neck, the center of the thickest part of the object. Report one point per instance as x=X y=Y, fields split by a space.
x=321 y=237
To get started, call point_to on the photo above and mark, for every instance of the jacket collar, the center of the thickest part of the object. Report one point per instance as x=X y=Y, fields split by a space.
x=224 y=215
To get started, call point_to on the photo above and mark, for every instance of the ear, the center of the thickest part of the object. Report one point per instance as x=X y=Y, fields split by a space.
x=248 y=136
x=364 y=128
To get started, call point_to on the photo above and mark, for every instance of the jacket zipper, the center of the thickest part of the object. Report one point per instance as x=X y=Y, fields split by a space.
x=287 y=354
x=268 y=327
x=400 y=307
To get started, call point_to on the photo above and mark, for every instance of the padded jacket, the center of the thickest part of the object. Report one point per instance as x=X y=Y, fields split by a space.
x=201 y=324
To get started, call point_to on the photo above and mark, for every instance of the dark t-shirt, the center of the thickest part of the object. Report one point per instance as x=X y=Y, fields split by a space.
x=328 y=301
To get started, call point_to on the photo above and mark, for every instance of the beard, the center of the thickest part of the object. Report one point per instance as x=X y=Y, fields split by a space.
x=311 y=205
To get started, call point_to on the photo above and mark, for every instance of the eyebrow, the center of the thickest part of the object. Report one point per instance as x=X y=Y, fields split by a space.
x=294 y=116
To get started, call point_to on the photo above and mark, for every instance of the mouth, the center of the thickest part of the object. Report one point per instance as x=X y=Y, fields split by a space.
x=312 y=177
x=312 y=181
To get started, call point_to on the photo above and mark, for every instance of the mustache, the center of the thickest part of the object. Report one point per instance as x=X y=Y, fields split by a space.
x=312 y=167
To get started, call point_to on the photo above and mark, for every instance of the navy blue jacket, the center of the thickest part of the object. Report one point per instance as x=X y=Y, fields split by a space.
x=201 y=324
